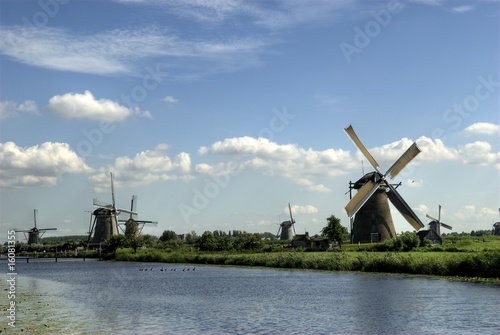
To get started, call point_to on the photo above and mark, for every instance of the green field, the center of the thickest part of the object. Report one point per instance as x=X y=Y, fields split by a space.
x=467 y=257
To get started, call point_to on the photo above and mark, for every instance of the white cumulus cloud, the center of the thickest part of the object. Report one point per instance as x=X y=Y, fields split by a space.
x=86 y=106
x=39 y=165
x=483 y=128
x=298 y=209
x=479 y=153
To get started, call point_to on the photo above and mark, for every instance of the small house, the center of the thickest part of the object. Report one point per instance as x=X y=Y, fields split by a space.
x=306 y=242
x=431 y=235
x=496 y=228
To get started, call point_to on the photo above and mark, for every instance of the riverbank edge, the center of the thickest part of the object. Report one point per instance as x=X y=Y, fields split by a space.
x=466 y=265
x=37 y=313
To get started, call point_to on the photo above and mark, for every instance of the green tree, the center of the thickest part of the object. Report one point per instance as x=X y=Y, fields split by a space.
x=115 y=242
x=149 y=241
x=192 y=237
x=207 y=242
x=409 y=240
x=168 y=235
x=334 y=230
x=269 y=236
x=224 y=243
x=253 y=241
x=134 y=242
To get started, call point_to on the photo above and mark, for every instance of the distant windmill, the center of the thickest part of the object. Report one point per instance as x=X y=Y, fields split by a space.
x=370 y=207
x=35 y=234
x=105 y=222
x=132 y=223
x=435 y=224
x=496 y=226
x=285 y=229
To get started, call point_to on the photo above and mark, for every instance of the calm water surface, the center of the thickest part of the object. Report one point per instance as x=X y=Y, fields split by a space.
x=118 y=298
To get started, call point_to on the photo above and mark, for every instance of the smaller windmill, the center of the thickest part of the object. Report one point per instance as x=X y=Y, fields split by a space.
x=285 y=229
x=133 y=226
x=435 y=224
x=34 y=234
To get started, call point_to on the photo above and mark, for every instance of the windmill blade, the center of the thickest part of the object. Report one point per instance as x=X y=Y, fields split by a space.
x=403 y=208
x=120 y=211
x=439 y=213
x=35 y=215
x=44 y=229
x=99 y=203
x=446 y=226
x=290 y=210
x=278 y=233
x=112 y=190
x=350 y=132
x=154 y=223
x=91 y=230
x=432 y=218
x=133 y=206
x=361 y=197
x=405 y=158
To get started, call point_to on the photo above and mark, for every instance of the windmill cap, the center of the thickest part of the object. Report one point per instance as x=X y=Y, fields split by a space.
x=102 y=211
x=363 y=180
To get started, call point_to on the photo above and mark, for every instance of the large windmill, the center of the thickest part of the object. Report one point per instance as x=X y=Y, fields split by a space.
x=435 y=224
x=370 y=206
x=34 y=234
x=285 y=229
x=105 y=222
x=133 y=226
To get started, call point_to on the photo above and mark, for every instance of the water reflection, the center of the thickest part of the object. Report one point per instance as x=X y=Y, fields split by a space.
x=118 y=298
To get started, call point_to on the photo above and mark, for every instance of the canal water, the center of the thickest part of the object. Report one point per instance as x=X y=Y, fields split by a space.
x=122 y=298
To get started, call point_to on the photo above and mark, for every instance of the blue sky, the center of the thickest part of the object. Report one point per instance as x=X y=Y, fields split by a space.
x=217 y=114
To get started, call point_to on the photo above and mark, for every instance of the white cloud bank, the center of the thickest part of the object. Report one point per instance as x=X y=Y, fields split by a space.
x=38 y=165
x=288 y=161
x=305 y=167
x=144 y=168
x=86 y=106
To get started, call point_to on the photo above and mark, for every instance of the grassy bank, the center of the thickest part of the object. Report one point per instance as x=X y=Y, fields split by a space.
x=36 y=313
x=463 y=264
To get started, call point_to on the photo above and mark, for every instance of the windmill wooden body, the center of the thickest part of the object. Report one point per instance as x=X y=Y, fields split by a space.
x=34 y=234
x=369 y=209
x=134 y=226
x=285 y=232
